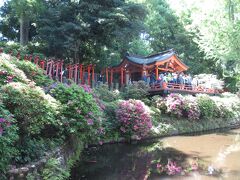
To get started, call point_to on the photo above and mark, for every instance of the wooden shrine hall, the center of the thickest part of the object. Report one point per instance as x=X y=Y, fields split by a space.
x=134 y=67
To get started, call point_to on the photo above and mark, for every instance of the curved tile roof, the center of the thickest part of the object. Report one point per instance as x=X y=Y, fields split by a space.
x=151 y=59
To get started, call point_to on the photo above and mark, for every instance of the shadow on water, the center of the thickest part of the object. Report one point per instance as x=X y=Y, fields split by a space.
x=123 y=161
x=219 y=150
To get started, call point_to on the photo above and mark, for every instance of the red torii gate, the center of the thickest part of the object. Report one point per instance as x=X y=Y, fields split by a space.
x=76 y=72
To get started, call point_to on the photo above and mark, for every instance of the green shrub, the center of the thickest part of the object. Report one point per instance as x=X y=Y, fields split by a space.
x=137 y=90
x=34 y=111
x=34 y=73
x=54 y=171
x=110 y=122
x=105 y=94
x=207 y=106
x=8 y=137
x=81 y=112
x=31 y=149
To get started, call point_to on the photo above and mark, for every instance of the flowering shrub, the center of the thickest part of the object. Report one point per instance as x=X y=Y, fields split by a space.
x=5 y=77
x=33 y=73
x=134 y=118
x=175 y=104
x=11 y=69
x=191 y=108
x=8 y=137
x=82 y=115
x=33 y=109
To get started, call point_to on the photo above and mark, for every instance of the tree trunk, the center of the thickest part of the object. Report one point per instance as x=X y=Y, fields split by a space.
x=24 y=30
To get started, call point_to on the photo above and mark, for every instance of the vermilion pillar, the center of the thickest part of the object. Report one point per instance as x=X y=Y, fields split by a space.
x=18 y=55
x=30 y=57
x=156 y=69
x=36 y=59
x=75 y=72
x=42 y=64
x=81 y=72
x=107 y=75
x=61 y=70
x=121 y=77
x=93 y=75
x=111 y=79
x=83 y=78
x=89 y=75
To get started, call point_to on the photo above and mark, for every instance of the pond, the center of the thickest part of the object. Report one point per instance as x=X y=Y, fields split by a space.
x=209 y=156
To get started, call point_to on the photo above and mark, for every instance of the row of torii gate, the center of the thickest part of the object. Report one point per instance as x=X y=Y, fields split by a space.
x=55 y=69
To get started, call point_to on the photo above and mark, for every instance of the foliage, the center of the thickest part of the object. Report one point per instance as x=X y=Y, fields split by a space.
x=105 y=94
x=32 y=148
x=136 y=90
x=54 y=171
x=82 y=116
x=33 y=73
x=159 y=103
x=195 y=108
x=208 y=107
x=110 y=122
x=11 y=70
x=217 y=33
x=134 y=118
x=93 y=29
x=191 y=108
x=166 y=31
x=8 y=138
x=34 y=111
x=175 y=104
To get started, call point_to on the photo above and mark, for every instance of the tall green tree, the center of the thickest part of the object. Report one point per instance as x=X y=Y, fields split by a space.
x=216 y=24
x=166 y=31
x=90 y=30
x=25 y=11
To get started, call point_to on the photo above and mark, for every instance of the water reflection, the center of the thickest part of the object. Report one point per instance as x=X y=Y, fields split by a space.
x=144 y=160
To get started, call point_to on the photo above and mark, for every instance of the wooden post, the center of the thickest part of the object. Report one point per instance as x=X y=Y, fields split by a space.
x=36 y=59
x=51 y=69
x=75 y=72
x=93 y=73
x=30 y=57
x=156 y=69
x=18 y=55
x=25 y=57
x=83 y=78
x=61 y=71
x=89 y=75
x=121 y=77
x=68 y=69
x=42 y=64
x=81 y=73
x=106 y=75
x=111 y=79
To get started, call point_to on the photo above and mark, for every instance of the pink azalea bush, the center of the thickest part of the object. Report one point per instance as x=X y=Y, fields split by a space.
x=178 y=105
x=134 y=118
x=175 y=104
x=191 y=108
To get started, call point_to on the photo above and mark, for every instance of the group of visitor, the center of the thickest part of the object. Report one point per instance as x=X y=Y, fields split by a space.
x=168 y=77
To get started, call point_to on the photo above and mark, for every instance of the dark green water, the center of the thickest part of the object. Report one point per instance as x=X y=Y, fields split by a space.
x=138 y=161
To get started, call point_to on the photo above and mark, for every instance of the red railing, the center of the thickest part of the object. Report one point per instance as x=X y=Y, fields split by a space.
x=182 y=88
